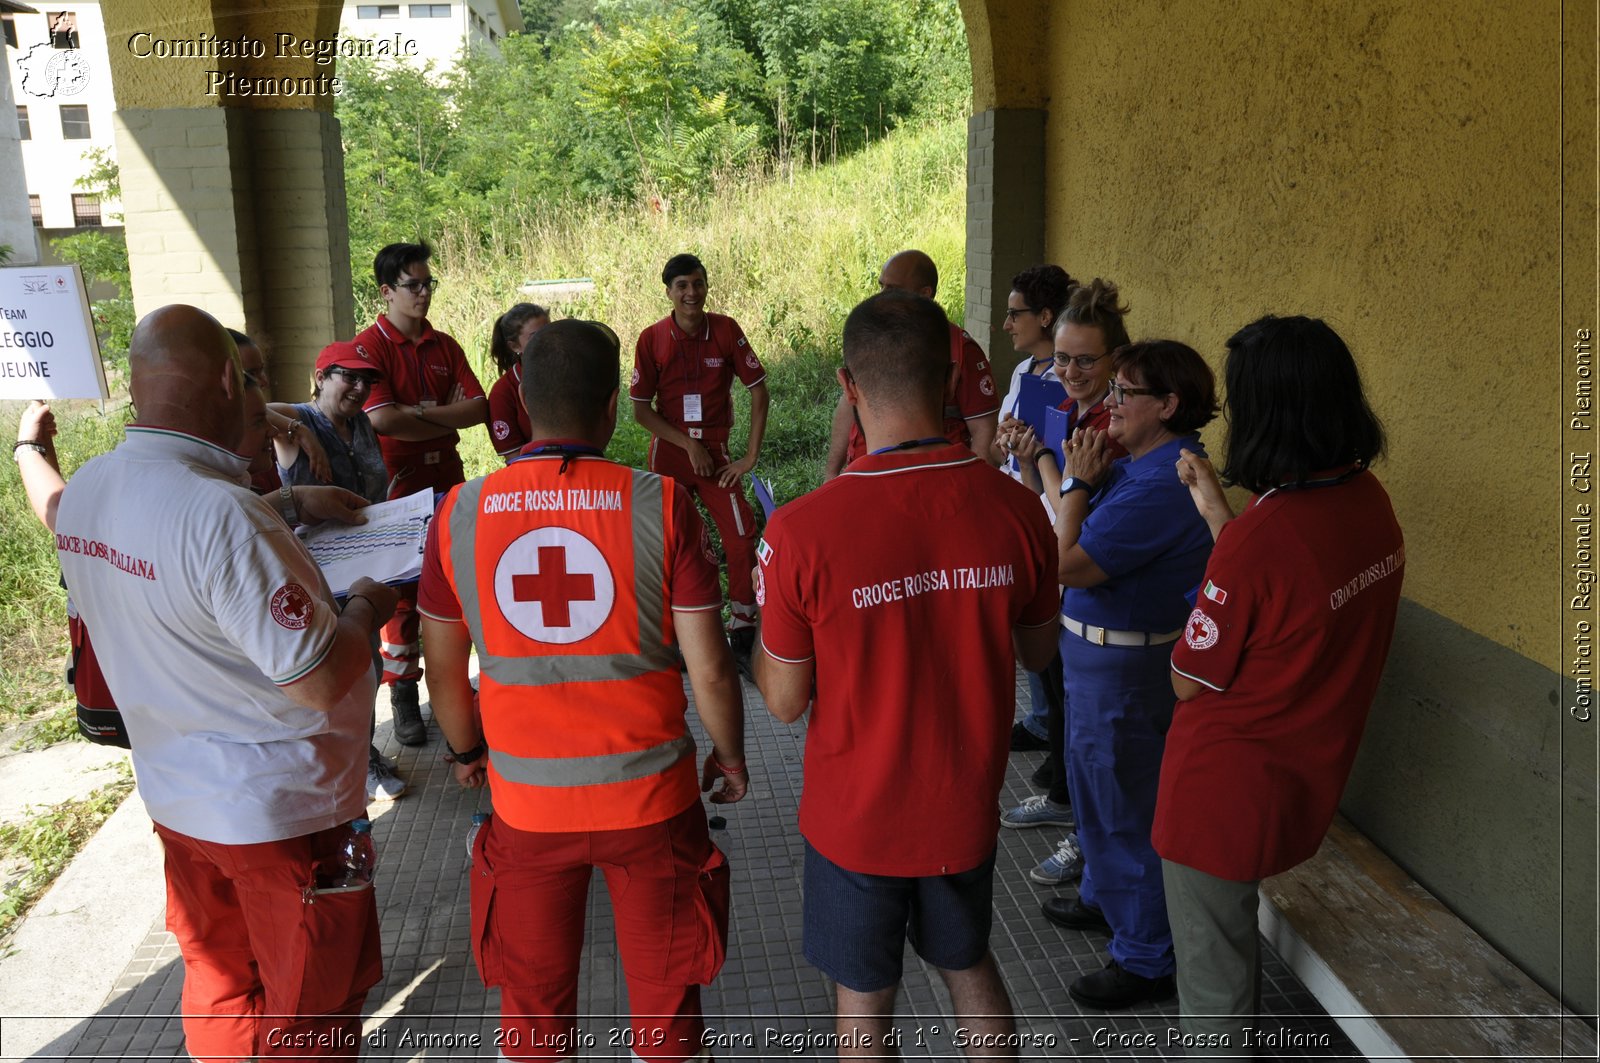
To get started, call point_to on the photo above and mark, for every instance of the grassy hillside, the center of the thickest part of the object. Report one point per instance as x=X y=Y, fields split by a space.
x=788 y=259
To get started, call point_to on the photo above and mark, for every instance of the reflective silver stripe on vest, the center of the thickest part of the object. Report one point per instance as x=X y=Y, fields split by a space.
x=591 y=771
x=649 y=565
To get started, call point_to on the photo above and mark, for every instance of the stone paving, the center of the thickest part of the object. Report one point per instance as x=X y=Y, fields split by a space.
x=767 y=1003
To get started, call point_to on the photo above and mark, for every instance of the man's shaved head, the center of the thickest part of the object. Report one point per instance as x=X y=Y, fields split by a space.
x=897 y=349
x=910 y=271
x=184 y=374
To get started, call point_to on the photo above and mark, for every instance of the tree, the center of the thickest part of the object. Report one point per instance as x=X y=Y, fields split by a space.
x=660 y=76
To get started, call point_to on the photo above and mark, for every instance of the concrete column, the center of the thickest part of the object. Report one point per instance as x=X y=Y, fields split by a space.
x=1005 y=218
x=234 y=202
x=300 y=294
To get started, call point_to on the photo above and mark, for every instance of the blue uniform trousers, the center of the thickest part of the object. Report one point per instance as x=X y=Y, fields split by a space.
x=1119 y=704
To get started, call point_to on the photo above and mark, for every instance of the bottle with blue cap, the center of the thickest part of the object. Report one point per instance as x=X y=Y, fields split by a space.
x=351 y=865
x=478 y=820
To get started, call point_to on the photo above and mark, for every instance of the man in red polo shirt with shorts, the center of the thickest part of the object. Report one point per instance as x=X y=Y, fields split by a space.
x=971 y=403
x=902 y=588
x=682 y=393
x=427 y=392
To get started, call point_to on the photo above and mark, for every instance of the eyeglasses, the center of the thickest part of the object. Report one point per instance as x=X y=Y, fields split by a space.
x=1119 y=393
x=255 y=378
x=369 y=379
x=416 y=287
x=1012 y=312
x=1082 y=361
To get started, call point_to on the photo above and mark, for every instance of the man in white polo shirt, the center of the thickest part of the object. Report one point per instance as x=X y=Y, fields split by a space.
x=245 y=692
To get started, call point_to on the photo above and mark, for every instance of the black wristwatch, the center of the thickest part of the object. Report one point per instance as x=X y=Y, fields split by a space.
x=1076 y=483
x=475 y=753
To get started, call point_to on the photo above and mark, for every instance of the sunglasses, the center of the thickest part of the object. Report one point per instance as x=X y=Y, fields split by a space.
x=369 y=379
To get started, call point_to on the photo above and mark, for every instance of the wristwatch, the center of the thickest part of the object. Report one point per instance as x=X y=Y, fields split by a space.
x=1075 y=483
x=473 y=754
x=286 y=507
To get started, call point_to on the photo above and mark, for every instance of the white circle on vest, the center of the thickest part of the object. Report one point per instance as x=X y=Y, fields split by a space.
x=554 y=585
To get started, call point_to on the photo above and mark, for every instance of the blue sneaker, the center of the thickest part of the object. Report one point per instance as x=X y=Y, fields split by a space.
x=1063 y=865
x=1038 y=811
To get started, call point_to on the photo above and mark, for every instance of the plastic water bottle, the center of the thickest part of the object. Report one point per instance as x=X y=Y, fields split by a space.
x=478 y=820
x=350 y=867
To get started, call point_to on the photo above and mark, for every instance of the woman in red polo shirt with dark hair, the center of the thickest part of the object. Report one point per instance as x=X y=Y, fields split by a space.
x=1280 y=659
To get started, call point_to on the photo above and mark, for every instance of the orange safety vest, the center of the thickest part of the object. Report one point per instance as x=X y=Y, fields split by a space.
x=562 y=580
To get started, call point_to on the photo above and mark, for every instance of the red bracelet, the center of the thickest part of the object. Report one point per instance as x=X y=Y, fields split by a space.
x=742 y=770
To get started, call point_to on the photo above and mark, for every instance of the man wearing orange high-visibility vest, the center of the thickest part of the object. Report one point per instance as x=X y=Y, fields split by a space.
x=579 y=581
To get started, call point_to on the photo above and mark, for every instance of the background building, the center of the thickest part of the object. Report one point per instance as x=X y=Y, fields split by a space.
x=441 y=30
x=16 y=226
x=59 y=78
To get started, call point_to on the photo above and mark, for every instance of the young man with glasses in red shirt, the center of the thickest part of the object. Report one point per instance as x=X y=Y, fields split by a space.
x=427 y=393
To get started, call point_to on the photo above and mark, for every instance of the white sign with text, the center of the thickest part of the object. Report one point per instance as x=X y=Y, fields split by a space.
x=48 y=346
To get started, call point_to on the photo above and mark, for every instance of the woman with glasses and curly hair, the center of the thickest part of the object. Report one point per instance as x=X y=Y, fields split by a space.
x=1280 y=659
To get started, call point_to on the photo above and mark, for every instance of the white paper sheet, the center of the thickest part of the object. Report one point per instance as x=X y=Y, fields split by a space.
x=387 y=548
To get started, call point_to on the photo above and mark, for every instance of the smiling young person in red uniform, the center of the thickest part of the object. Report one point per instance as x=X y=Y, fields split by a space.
x=1280 y=659
x=919 y=552
x=971 y=401
x=427 y=392
x=245 y=691
x=683 y=371
x=576 y=578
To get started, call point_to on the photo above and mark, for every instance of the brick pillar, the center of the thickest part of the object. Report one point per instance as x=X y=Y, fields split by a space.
x=1005 y=218
x=301 y=234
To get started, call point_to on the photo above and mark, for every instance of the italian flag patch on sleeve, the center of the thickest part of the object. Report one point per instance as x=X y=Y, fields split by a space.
x=764 y=552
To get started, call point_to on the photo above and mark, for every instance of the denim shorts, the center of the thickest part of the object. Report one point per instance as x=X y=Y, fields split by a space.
x=856 y=925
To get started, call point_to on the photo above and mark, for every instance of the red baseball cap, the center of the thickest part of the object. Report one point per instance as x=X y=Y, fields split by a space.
x=346 y=356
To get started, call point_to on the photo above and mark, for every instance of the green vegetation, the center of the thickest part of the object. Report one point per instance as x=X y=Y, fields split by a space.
x=33 y=607
x=48 y=842
x=102 y=255
x=787 y=258
x=624 y=101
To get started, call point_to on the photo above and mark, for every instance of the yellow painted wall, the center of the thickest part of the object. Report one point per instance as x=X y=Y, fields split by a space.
x=1010 y=46
x=1391 y=168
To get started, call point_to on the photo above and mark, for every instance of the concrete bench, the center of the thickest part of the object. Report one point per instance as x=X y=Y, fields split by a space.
x=1399 y=972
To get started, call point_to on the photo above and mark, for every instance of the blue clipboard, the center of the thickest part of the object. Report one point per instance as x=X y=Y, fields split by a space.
x=763 y=496
x=1055 y=434
x=1036 y=395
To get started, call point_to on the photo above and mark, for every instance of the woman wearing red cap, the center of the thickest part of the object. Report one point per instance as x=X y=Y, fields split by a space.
x=344 y=377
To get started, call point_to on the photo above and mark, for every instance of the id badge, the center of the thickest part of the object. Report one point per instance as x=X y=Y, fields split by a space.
x=691 y=408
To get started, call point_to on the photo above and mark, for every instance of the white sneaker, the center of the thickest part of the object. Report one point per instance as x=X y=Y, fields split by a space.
x=382 y=783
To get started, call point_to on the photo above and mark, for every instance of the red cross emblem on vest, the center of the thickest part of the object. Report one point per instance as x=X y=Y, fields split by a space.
x=554 y=585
